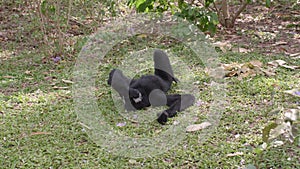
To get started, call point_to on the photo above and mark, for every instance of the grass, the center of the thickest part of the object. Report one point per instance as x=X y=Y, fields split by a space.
x=40 y=129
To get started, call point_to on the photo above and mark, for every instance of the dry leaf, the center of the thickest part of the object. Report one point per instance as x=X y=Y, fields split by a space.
x=67 y=81
x=8 y=77
x=268 y=73
x=292 y=114
x=60 y=88
x=281 y=63
x=196 y=127
x=27 y=72
x=235 y=154
x=277 y=62
x=290 y=67
x=294 y=92
x=280 y=43
x=222 y=45
x=256 y=63
x=251 y=68
x=142 y=36
x=295 y=54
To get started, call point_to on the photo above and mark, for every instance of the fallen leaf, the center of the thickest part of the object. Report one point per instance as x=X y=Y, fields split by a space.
x=292 y=114
x=276 y=63
x=282 y=63
x=132 y=161
x=60 y=88
x=256 y=63
x=290 y=67
x=67 y=81
x=142 y=36
x=9 y=77
x=294 y=92
x=27 y=72
x=196 y=127
x=277 y=143
x=243 y=70
x=297 y=57
x=280 y=43
x=224 y=46
x=268 y=73
x=295 y=54
x=235 y=154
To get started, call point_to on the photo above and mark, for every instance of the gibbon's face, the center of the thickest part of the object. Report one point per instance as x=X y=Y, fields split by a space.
x=135 y=95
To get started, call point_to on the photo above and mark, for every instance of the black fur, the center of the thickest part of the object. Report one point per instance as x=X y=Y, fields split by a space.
x=151 y=89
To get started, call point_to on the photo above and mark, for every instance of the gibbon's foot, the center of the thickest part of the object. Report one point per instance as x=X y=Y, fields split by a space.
x=163 y=117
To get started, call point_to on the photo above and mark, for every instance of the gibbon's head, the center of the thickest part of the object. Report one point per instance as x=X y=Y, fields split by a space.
x=135 y=95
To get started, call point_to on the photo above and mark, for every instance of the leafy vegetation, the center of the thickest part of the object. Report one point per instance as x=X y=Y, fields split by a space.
x=206 y=14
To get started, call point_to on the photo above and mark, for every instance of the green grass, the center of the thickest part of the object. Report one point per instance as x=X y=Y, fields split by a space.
x=39 y=128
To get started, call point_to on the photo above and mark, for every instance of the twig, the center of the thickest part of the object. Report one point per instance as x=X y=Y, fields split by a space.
x=216 y=8
x=60 y=34
x=240 y=10
x=84 y=125
x=220 y=15
x=42 y=25
x=69 y=11
x=39 y=133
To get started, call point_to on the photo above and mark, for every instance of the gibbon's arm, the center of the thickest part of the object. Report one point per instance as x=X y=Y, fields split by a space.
x=176 y=103
x=163 y=68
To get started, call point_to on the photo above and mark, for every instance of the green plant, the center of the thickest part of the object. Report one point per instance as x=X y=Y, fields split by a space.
x=206 y=14
x=205 y=19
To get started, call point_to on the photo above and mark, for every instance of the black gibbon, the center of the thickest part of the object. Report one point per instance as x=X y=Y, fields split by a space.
x=151 y=90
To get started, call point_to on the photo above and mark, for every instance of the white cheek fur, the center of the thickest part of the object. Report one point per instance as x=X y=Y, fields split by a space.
x=139 y=99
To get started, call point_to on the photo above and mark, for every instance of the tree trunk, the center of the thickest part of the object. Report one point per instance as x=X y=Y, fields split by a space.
x=226 y=18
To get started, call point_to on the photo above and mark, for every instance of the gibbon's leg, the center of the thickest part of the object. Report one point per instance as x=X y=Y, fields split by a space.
x=176 y=104
x=163 y=69
x=119 y=82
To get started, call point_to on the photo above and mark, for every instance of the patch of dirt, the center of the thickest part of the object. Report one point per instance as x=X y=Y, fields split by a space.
x=274 y=30
x=14 y=21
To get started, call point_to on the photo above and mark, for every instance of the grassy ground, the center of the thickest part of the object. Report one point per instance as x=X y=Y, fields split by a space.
x=39 y=127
